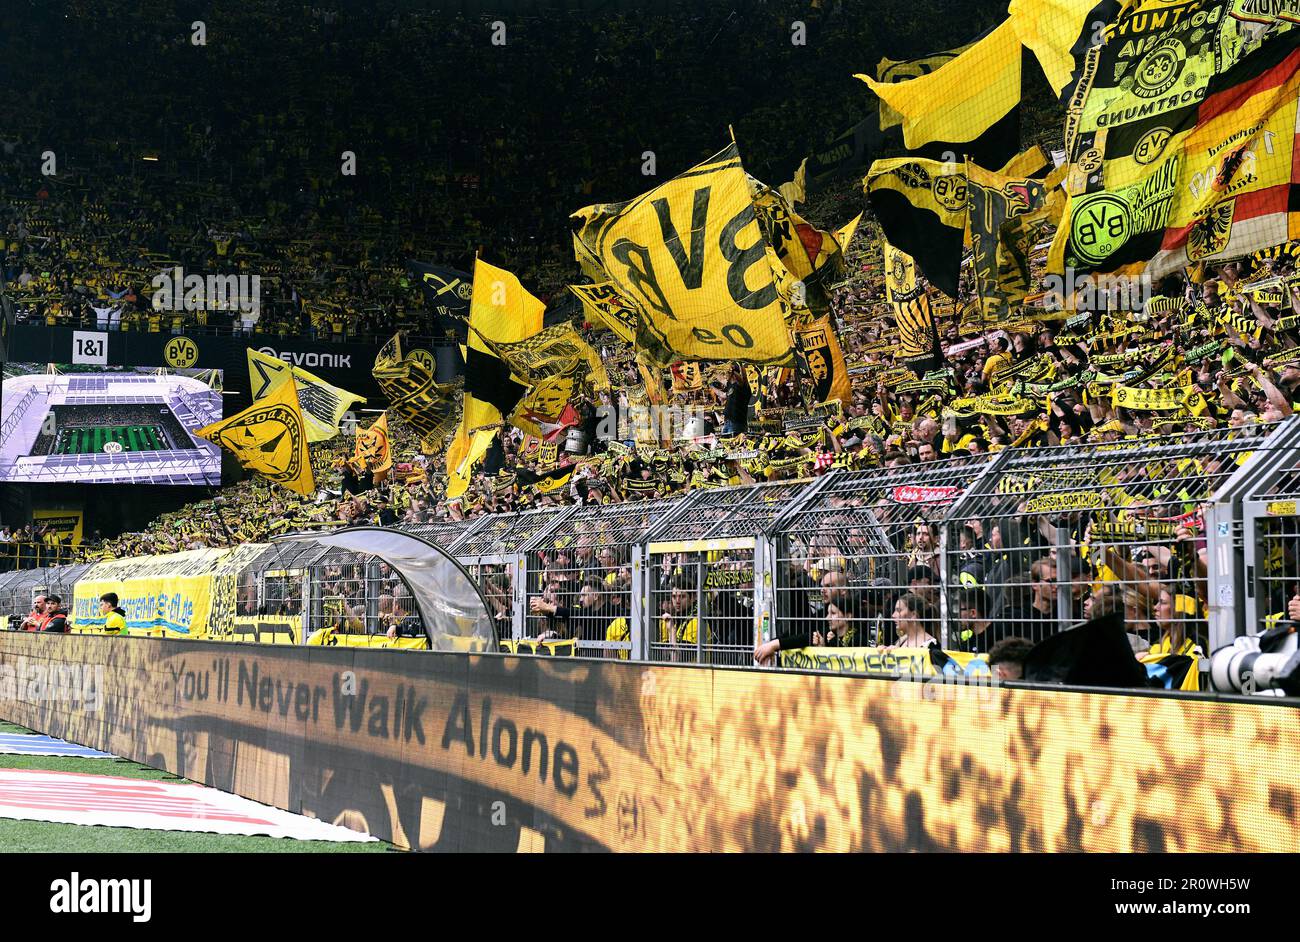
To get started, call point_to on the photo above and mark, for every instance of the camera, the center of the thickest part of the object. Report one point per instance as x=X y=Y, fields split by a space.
x=1267 y=664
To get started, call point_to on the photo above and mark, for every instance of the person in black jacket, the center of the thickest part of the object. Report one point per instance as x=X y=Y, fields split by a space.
x=735 y=397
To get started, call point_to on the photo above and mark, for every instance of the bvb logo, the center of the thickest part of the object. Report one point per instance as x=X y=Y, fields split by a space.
x=1090 y=160
x=900 y=273
x=464 y=291
x=1159 y=70
x=1152 y=145
x=951 y=192
x=424 y=358
x=180 y=353
x=1100 y=226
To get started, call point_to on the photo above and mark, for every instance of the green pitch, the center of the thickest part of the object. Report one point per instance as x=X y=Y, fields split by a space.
x=82 y=441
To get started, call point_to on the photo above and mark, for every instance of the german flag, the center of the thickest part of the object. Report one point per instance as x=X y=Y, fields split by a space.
x=1251 y=200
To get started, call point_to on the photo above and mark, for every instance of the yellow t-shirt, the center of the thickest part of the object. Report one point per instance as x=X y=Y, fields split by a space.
x=115 y=623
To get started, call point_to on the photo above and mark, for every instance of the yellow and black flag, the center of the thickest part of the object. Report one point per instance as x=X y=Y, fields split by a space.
x=969 y=106
x=825 y=359
x=555 y=350
x=1060 y=32
x=1181 y=135
x=409 y=383
x=606 y=308
x=372 y=446
x=1000 y=249
x=691 y=257
x=921 y=206
x=269 y=438
x=894 y=71
x=446 y=294
x=811 y=257
x=323 y=405
x=918 y=335
x=501 y=312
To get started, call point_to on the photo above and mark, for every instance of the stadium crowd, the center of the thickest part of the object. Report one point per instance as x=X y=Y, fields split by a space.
x=81 y=245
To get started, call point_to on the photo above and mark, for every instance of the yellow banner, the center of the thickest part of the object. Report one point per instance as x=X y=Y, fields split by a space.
x=1175 y=397
x=161 y=595
x=65 y=523
x=895 y=661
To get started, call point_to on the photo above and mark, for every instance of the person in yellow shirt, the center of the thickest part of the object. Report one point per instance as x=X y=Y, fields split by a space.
x=997 y=361
x=114 y=617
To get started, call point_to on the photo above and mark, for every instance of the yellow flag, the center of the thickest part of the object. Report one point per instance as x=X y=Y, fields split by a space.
x=551 y=351
x=825 y=359
x=270 y=439
x=962 y=99
x=1053 y=29
x=323 y=405
x=464 y=457
x=904 y=70
x=690 y=256
x=372 y=445
x=844 y=234
x=607 y=309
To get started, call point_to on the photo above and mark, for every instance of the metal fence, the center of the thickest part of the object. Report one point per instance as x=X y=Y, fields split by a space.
x=1053 y=536
x=1176 y=533
x=704 y=564
x=861 y=556
x=582 y=573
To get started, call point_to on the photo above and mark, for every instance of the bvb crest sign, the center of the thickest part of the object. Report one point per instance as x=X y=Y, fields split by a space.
x=270 y=439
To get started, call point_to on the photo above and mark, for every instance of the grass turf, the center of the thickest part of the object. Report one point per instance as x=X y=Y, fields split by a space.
x=18 y=836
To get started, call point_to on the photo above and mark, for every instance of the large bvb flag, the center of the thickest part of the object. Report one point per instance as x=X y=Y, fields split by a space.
x=323 y=405
x=690 y=256
x=269 y=438
x=447 y=293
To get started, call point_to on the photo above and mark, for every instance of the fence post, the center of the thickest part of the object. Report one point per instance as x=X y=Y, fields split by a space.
x=1065 y=554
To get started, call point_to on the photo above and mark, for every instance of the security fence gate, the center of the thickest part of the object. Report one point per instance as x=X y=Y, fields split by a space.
x=583 y=573
x=704 y=566
x=1269 y=544
x=493 y=554
x=850 y=551
x=1054 y=536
